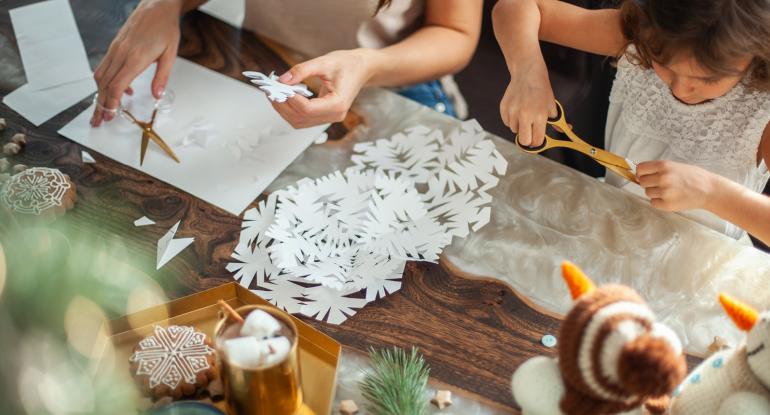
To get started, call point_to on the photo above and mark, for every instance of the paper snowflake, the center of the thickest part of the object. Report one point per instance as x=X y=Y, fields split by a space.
x=328 y=246
x=276 y=90
x=332 y=305
x=171 y=355
x=35 y=190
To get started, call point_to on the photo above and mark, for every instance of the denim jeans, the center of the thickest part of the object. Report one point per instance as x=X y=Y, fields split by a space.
x=431 y=94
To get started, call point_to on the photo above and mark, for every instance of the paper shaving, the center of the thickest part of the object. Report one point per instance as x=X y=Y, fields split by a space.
x=168 y=247
x=143 y=221
x=326 y=247
x=87 y=157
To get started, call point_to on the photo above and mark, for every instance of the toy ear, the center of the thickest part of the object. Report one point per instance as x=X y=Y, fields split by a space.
x=743 y=315
x=577 y=282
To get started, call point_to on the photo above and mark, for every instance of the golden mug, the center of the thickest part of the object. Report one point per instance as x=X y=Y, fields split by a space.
x=272 y=390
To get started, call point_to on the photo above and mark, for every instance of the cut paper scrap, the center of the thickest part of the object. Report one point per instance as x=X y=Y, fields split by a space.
x=204 y=99
x=276 y=91
x=54 y=60
x=144 y=221
x=87 y=157
x=168 y=247
x=327 y=247
x=42 y=105
x=51 y=49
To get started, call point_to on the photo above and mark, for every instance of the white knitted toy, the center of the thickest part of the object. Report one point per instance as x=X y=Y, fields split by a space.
x=613 y=357
x=731 y=382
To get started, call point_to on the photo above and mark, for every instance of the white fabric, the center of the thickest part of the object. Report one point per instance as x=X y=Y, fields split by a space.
x=646 y=122
x=314 y=28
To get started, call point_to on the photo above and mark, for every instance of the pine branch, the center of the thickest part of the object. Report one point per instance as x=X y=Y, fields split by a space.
x=397 y=383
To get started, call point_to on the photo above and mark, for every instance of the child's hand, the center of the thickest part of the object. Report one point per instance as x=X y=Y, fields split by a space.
x=342 y=73
x=528 y=102
x=675 y=186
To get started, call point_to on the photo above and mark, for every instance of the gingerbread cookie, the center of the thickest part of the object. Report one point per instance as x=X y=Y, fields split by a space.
x=175 y=361
x=39 y=191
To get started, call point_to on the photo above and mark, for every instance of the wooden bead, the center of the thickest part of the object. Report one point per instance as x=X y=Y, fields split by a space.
x=348 y=407
x=20 y=139
x=11 y=149
x=3 y=124
x=442 y=399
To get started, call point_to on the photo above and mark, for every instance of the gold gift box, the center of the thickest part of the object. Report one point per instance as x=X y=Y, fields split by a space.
x=318 y=353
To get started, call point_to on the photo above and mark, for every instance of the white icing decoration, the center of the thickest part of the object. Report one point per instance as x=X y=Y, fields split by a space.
x=171 y=355
x=35 y=190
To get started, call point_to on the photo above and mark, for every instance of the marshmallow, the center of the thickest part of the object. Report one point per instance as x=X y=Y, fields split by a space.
x=261 y=325
x=245 y=352
x=278 y=348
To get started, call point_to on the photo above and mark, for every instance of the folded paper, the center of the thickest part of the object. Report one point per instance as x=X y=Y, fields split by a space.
x=168 y=247
x=227 y=111
x=326 y=247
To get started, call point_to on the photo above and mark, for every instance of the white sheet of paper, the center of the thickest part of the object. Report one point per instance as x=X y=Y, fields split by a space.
x=51 y=49
x=39 y=106
x=234 y=110
x=168 y=247
x=229 y=11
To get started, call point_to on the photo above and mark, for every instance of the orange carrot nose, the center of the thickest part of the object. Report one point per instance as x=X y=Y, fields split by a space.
x=742 y=314
x=579 y=284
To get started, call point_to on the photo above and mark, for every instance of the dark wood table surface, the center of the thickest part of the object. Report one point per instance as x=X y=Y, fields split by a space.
x=473 y=331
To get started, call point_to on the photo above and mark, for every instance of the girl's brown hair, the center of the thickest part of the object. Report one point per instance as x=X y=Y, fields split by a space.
x=382 y=4
x=715 y=32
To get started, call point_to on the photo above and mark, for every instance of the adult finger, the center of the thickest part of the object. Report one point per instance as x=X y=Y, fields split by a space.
x=162 y=71
x=301 y=71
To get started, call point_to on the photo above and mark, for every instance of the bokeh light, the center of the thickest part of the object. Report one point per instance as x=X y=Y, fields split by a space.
x=3 y=269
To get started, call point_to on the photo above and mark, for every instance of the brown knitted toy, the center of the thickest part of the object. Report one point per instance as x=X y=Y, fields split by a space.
x=613 y=356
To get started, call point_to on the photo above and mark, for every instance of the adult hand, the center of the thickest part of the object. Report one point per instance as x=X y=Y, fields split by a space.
x=150 y=34
x=528 y=102
x=676 y=186
x=342 y=74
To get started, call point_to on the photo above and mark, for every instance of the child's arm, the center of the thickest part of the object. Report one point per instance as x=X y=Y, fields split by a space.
x=676 y=187
x=518 y=24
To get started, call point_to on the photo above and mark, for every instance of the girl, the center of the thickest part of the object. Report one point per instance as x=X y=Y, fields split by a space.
x=354 y=43
x=691 y=99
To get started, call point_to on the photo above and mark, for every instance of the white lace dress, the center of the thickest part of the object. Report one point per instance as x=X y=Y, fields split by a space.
x=645 y=122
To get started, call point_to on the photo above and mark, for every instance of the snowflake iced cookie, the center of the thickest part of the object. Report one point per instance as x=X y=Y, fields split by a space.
x=276 y=91
x=39 y=191
x=175 y=361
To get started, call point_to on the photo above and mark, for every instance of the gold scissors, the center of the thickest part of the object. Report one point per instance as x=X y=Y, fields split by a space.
x=621 y=166
x=148 y=132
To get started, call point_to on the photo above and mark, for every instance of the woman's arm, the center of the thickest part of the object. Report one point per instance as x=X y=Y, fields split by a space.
x=151 y=34
x=519 y=24
x=444 y=45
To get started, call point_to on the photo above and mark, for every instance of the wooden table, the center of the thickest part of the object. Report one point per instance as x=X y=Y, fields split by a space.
x=473 y=331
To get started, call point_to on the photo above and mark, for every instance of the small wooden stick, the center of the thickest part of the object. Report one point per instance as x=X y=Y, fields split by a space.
x=229 y=311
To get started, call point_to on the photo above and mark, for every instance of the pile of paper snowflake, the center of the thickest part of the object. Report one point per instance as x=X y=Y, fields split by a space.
x=326 y=247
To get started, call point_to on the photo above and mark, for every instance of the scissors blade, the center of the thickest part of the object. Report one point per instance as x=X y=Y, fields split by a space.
x=626 y=173
x=162 y=144
x=143 y=151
